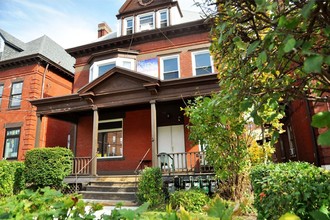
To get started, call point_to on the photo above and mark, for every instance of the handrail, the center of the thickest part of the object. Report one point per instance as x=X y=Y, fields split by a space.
x=135 y=171
x=76 y=174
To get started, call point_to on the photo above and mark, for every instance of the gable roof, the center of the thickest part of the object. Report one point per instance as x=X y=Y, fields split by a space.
x=12 y=41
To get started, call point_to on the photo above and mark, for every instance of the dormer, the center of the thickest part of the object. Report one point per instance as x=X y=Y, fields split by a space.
x=143 y=15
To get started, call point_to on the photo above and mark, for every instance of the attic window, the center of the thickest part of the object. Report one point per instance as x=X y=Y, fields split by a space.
x=163 y=15
x=129 y=25
x=146 y=22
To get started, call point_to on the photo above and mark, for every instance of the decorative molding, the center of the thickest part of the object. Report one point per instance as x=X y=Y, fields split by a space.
x=145 y=2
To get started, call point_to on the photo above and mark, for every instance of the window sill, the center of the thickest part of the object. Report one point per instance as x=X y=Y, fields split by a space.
x=110 y=158
x=14 y=108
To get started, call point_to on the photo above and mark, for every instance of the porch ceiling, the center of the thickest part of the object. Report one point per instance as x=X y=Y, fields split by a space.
x=121 y=88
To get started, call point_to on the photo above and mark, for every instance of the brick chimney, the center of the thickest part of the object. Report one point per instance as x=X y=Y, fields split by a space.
x=103 y=29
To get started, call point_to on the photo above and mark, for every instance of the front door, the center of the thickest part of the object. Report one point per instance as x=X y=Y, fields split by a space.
x=171 y=140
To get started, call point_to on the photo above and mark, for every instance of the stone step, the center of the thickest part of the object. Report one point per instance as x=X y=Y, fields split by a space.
x=101 y=188
x=129 y=203
x=118 y=178
x=119 y=196
x=114 y=184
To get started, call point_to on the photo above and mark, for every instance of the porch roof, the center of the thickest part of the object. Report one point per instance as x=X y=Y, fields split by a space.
x=121 y=87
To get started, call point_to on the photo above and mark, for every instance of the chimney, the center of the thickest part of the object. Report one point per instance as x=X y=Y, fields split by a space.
x=103 y=29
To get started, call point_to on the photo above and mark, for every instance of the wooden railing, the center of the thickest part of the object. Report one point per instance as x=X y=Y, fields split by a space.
x=81 y=166
x=184 y=162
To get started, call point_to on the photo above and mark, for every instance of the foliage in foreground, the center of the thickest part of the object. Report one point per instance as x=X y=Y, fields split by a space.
x=45 y=203
x=295 y=187
x=192 y=200
x=150 y=187
x=48 y=166
x=11 y=177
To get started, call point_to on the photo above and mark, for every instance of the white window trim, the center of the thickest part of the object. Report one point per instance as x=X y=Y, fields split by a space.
x=162 y=65
x=125 y=25
x=118 y=61
x=143 y=15
x=114 y=129
x=193 y=54
x=159 y=17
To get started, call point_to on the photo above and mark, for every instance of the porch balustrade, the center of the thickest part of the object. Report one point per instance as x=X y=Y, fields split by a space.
x=187 y=162
x=81 y=166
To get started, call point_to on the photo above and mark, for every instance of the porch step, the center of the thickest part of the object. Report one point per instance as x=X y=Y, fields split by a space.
x=111 y=190
x=112 y=202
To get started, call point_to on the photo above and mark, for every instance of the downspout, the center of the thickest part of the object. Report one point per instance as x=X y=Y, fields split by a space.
x=43 y=81
x=312 y=131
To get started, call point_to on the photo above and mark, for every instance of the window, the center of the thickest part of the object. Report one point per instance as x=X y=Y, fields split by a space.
x=1 y=93
x=129 y=25
x=16 y=95
x=146 y=22
x=170 y=67
x=202 y=62
x=110 y=138
x=11 y=143
x=163 y=19
x=101 y=67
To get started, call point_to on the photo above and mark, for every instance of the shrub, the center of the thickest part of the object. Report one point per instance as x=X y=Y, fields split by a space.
x=45 y=203
x=11 y=177
x=48 y=166
x=191 y=200
x=293 y=187
x=150 y=187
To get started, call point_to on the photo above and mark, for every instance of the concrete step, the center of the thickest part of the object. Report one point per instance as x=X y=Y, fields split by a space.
x=101 y=188
x=128 y=203
x=118 y=178
x=114 y=184
x=119 y=196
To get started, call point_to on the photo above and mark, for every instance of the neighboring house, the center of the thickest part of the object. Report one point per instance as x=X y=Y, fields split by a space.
x=28 y=71
x=130 y=86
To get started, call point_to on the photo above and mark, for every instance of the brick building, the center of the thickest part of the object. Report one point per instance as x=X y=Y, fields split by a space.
x=28 y=71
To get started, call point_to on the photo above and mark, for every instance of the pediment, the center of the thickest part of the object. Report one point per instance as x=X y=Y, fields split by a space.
x=118 y=80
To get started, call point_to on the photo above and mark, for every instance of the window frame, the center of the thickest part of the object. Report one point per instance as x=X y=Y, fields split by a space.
x=11 y=97
x=118 y=61
x=145 y=15
x=2 y=86
x=126 y=25
x=162 y=66
x=194 y=67
x=102 y=131
x=12 y=137
x=160 y=18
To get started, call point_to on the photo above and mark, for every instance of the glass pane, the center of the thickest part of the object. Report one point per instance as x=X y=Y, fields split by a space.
x=202 y=60
x=127 y=64
x=1 y=90
x=203 y=70
x=170 y=65
x=13 y=132
x=17 y=88
x=171 y=75
x=149 y=19
x=105 y=68
x=110 y=144
x=11 y=147
x=129 y=23
x=15 y=101
x=163 y=16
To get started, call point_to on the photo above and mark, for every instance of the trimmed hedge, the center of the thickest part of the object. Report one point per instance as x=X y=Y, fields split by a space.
x=296 y=187
x=48 y=166
x=11 y=177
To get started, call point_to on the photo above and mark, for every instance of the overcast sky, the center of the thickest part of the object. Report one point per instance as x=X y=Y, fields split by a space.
x=68 y=22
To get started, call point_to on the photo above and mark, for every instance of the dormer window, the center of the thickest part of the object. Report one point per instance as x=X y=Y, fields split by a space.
x=146 y=22
x=163 y=18
x=129 y=25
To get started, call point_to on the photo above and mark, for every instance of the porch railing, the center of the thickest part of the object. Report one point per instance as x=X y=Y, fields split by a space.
x=81 y=166
x=184 y=162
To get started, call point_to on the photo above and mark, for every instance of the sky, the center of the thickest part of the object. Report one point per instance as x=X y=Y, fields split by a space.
x=69 y=23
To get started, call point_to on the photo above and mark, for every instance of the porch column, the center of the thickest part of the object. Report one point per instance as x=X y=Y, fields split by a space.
x=37 y=139
x=94 y=145
x=154 y=139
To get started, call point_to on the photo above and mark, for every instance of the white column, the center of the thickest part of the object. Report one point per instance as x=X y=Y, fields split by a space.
x=94 y=143
x=154 y=139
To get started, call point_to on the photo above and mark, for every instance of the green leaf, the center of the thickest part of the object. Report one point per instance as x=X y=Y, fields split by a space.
x=321 y=120
x=313 y=64
x=252 y=47
x=289 y=45
x=327 y=60
x=324 y=139
x=305 y=12
x=239 y=43
x=282 y=21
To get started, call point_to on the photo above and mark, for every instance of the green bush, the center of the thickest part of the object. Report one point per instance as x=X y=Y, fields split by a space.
x=45 y=203
x=11 y=177
x=150 y=187
x=191 y=200
x=48 y=166
x=294 y=187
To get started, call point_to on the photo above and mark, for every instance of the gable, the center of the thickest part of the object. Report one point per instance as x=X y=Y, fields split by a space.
x=138 y=5
x=117 y=80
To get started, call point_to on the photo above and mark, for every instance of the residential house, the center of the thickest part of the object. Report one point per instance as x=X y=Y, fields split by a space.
x=37 y=69
x=129 y=88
